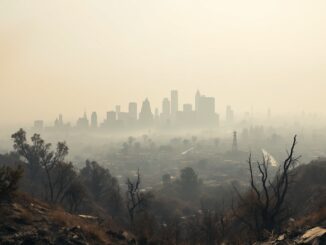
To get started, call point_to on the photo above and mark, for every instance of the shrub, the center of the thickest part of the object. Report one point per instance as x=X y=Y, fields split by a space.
x=9 y=178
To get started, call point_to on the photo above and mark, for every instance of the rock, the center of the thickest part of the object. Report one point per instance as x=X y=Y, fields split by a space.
x=281 y=237
x=312 y=235
x=88 y=217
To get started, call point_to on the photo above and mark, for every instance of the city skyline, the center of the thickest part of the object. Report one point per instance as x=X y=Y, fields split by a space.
x=166 y=113
x=200 y=112
x=226 y=112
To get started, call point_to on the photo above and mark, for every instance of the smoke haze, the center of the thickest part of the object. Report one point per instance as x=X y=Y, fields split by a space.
x=70 y=56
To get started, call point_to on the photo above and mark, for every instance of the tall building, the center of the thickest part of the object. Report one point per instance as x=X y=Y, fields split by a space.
x=82 y=123
x=197 y=98
x=146 y=115
x=58 y=123
x=118 y=110
x=111 y=116
x=133 y=110
x=166 y=109
x=206 y=105
x=186 y=117
x=94 y=120
x=174 y=102
x=205 y=110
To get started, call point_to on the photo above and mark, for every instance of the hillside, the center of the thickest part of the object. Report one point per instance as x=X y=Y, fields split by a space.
x=28 y=221
x=308 y=189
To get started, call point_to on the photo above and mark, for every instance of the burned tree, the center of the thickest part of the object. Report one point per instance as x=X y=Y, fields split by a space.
x=263 y=208
x=134 y=197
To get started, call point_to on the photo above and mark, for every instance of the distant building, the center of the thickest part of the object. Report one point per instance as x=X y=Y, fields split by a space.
x=82 y=123
x=166 y=110
x=94 y=120
x=58 y=123
x=118 y=110
x=205 y=110
x=174 y=102
x=197 y=98
x=110 y=120
x=111 y=116
x=133 y=111
x=123 y=118
x=206 y=105
x=186 y=117
x=146 y=115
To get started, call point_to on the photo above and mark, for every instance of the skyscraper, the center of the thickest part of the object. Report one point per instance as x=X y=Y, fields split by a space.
x=174 y=102
x=146 y=115
x=205 y=110
x=82 y=123
x=111 y=116
x=206 y=105
x=133 y=110
x=197 y=98
x=166 y=107
x=94 y=120
x=58 y=123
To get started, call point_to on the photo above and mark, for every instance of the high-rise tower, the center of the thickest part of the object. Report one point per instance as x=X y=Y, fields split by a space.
x=133 y=110
x=146 y=115
x=166 y=107
x=197 y=98
x=174 y=102
x=94 y=120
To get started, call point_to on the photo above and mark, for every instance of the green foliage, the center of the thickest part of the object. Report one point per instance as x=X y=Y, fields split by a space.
x=9 y=179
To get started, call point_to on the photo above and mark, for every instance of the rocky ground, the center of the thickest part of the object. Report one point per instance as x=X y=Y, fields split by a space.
x=26 y=221
x=313 y=236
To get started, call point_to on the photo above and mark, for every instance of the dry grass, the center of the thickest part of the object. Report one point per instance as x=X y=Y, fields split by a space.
x=26 y=216
x=315 y=218
x=90 y=230
x=95 y=232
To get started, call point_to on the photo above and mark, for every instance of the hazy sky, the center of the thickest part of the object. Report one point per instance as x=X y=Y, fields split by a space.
x=70 y=55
